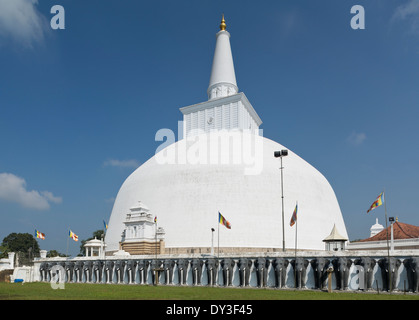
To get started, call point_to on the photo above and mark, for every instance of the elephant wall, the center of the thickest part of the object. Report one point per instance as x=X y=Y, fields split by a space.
x=348 y=272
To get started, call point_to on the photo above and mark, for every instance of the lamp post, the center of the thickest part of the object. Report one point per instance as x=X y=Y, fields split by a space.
x=391 y=219
x=280 y=154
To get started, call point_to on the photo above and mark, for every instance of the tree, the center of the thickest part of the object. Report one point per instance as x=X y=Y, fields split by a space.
x=55 y=253
x=98 y=234
x=23 y=244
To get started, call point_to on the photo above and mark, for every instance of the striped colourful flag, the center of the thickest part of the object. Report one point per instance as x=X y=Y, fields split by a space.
x=378 y=202
x=39 y=235
x=155 y=219
x=73 y=236
x=294 y=216
x=223 y=221
x=105 y=225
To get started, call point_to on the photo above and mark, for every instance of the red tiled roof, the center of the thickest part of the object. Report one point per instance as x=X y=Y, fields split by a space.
x=400 y=231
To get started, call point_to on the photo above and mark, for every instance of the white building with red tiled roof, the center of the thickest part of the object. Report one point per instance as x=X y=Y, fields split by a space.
x=400 y=236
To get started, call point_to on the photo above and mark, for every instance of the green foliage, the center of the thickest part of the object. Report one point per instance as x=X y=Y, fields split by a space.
x=22 y=243
x=55 y=253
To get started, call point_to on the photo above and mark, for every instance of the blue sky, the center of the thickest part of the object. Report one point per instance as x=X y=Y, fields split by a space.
x=80 y=107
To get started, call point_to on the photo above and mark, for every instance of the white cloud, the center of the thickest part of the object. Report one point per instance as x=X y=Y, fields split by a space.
x=122 y=163
x=50 y=197
x=21 y=21
x=356 y=139
x=408 y=12
x=13 y=189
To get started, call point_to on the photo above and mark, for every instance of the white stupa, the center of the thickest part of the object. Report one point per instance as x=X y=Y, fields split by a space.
x=376 y=228
x=223 y=164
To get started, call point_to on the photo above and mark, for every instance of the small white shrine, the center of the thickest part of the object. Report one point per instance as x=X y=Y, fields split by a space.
x=141 y=235
x=95 y=248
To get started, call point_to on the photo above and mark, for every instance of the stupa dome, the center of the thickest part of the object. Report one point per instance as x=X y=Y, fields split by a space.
x=223 y=165
x=186 y=198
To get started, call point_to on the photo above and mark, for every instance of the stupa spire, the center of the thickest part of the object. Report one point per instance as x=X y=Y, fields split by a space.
x=223 y=78
x=223 y=24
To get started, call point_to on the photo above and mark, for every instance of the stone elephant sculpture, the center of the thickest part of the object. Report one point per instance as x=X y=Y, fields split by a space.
x=300 y=270
x=319 y=266
x=48 y=270
x=108 y=271
x=118 y=270
x=78 y=271
x=244 y=265
x=168 y=266
x=87 y=270
x=227 y=265
x=262 y=265
x=130 y=268
x=182 y=269
x=43 y=272
x=142 y=266
x=412 y=270
x=341 y=268
x=69 y=270
x=367 y=265
x=97 y=271
x=280 y=267
x=196 y=267
x=212 y=268
x=389 y=272
x=156 y=267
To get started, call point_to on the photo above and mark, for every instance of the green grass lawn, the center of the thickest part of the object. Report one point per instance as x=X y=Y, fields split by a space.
x=80 y=291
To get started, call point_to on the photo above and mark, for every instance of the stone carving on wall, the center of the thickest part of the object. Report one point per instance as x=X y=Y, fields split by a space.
x=168 y=266
x=212 y=270
x=368 y=265
x=155 y=264
x=262 y=265
x=227 y=265
x=108 y=271
x=300 y=269
x=69 y=269
x=78 y=271
x=389 y=271
x=142 y=267
x=196 y=267
x=280 y=267
x=342 y=267
x=189 y=272
x=244 y=265
x=320 y=266
x=182 y=265
x=130 y=266
x=97 y=270
x=412 y=270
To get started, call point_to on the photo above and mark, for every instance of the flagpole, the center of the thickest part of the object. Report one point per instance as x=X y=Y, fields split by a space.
x=295 y=269
x=218 y=235
x=68 y=236
x=388 y=248
x=296 y=224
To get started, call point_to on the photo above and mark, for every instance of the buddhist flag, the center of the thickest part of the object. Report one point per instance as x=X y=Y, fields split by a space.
x=105 y=225
x=73 y=236
x=39 y=235
x=155 y=219
x=294 y=216
x=223 y=221
x=378 y=202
